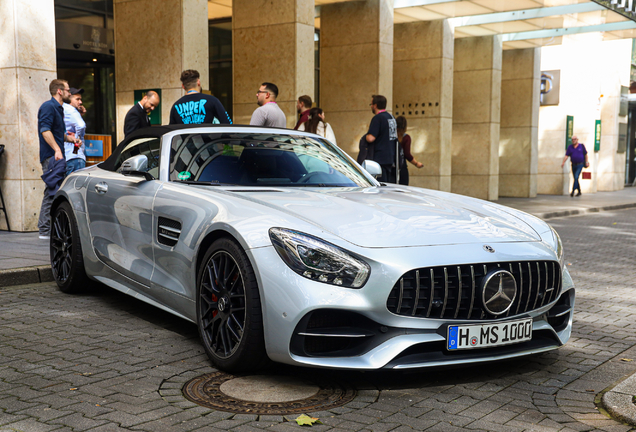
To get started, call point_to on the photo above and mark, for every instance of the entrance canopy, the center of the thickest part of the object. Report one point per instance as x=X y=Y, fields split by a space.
x=522 y=23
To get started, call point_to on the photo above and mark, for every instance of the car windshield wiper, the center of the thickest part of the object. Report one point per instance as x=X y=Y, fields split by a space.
x=205 y=183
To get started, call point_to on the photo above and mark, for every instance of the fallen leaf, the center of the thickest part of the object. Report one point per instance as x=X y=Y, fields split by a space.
x=588 y=390
x=73 y=388
x=626 y=359
x=305 y=420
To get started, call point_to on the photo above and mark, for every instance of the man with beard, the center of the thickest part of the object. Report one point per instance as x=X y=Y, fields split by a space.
x=52 y=134
x=75 y=126
x=268 y=113
x=137 y=116
x=303 y=106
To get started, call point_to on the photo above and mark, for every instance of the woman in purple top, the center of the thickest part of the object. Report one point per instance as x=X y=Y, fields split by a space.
x=578 y=156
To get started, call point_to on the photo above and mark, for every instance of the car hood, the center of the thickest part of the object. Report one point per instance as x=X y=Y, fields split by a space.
x=397 y=216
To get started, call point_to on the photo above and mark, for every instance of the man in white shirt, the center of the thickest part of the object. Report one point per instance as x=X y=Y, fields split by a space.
x=75 y=125
x=268 y=112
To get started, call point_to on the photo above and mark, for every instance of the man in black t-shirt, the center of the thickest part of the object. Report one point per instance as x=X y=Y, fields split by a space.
x=382 y=135
x=196 y=107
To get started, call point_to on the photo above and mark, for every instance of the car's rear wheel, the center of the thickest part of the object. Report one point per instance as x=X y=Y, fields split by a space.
x=229 y=309
x=67 y=261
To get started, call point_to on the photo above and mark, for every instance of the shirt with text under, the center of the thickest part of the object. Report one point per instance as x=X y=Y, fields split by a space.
x=197 y=108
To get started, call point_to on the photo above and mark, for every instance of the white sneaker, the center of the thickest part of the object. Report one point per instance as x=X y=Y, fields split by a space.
x=45 y=237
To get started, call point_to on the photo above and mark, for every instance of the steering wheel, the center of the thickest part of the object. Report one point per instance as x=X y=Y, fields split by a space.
x=308 y=177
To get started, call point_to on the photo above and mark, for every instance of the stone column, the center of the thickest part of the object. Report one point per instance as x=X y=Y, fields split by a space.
x=151 y=50
x=518 y=134
x=272 y=42
x=423 y=93
x=356 y=62
x=476 y=108
x=27 y=66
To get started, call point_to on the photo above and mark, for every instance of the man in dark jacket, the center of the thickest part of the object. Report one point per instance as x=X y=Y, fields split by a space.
x=137 y=116
x=382 y=136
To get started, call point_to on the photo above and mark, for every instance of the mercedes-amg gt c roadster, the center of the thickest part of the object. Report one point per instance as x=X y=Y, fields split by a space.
x=280 y=247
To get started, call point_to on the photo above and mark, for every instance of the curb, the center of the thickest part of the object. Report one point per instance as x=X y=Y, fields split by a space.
x=25 y=275
x=579 y=212
x=619 y=400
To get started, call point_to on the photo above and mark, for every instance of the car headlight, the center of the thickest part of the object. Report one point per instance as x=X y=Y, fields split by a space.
x=558 y=246
x=318 y=260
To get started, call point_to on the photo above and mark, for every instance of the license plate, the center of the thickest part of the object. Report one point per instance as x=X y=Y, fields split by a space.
x=489 y=335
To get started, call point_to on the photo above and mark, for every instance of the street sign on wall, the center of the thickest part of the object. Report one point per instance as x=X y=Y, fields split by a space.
x=597 y=136
x=569 y=130
x=550 y=87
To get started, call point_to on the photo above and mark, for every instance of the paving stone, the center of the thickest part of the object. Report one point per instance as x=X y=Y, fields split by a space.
x=119 y=353
x=77 y=422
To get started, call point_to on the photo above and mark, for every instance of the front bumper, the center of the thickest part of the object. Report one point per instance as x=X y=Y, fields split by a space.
x=315 y=324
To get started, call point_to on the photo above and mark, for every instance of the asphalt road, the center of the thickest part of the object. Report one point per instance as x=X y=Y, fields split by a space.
x=102 y=361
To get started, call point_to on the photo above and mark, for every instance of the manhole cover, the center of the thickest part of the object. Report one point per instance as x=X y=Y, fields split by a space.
x=266 y=394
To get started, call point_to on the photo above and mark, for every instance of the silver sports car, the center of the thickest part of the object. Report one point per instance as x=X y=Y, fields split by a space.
x=280 y=247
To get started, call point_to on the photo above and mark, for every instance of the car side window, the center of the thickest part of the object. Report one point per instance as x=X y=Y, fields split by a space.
x=149 y=147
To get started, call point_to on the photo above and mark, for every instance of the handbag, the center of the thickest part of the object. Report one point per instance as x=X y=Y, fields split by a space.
x=587 y=175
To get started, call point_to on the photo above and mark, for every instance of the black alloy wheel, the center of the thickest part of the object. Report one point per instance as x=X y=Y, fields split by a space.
x=229 y=310
x=67 y=262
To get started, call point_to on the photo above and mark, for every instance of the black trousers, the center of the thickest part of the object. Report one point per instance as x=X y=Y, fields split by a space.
x=388 y=174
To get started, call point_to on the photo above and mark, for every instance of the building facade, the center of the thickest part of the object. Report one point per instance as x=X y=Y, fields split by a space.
x=475 y=79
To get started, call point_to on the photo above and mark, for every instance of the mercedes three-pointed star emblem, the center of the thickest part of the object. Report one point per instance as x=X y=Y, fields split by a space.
x=499 y=291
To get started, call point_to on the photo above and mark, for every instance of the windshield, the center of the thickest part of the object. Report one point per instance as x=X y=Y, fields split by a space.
x=249 y=159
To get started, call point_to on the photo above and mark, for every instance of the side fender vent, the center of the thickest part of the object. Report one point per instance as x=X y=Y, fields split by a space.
x=168 y=231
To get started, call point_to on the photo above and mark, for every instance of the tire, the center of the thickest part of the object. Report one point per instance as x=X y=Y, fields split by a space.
x=67 y=261
x=229 y=313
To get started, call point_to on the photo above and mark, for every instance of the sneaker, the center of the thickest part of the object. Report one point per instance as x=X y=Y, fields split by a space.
x=578 y=193
x=572 y=193
x=45 y=237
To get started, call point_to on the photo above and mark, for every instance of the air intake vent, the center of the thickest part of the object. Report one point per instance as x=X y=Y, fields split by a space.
x=168 y=231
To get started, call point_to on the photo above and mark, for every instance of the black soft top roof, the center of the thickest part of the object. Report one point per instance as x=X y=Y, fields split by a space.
x=158 y=132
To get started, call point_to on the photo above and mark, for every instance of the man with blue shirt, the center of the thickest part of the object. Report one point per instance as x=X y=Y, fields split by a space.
x=75 y=126
x=52 y=134
x=196 y=107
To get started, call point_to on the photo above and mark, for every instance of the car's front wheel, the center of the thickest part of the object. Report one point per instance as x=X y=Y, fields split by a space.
x=67 y=261
x=229 y=309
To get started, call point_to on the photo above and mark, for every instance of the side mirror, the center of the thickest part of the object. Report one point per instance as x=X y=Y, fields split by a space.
x=137 y=166
x=372 y=167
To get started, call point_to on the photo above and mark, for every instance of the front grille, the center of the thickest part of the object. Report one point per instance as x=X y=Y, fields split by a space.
x=454 y=292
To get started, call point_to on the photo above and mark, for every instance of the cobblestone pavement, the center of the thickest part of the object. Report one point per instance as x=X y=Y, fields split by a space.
x=98 y=361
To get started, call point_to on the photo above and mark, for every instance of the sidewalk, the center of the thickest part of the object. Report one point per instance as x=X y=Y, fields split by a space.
x=24 y=259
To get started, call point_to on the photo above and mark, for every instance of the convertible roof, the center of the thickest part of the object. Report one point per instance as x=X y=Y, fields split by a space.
x=158 y=132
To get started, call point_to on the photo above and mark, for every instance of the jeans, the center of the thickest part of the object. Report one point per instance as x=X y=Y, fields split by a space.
x=576 y=172
x=44 y=221
x=74 y=165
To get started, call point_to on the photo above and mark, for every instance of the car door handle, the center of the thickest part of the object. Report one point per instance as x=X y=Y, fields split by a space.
x=101 y=188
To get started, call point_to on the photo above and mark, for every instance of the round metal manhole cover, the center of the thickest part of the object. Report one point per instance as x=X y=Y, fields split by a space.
x=264 y=395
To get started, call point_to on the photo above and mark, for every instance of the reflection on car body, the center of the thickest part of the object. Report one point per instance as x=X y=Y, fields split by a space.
x=280 y=247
